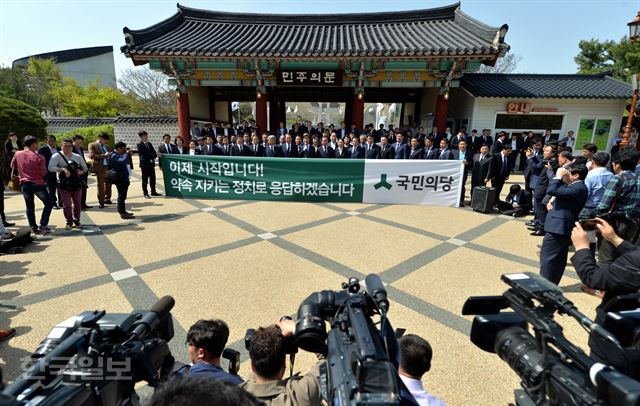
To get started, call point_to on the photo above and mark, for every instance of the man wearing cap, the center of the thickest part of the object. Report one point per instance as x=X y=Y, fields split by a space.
x=99 y=152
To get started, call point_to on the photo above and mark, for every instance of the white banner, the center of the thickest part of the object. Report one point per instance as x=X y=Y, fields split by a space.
x=425 y=182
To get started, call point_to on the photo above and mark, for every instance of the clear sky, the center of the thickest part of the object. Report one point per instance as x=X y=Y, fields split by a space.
x=544 y=32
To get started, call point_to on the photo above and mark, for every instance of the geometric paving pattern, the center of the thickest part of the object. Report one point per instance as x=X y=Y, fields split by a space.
x=250 y=262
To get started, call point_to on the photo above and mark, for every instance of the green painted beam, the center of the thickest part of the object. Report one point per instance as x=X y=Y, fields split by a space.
x=402 y=84
x=220 y=83
x=399 y=65
x=309 y=65
x=155 y=65
x=215 y=65
x=473 y=66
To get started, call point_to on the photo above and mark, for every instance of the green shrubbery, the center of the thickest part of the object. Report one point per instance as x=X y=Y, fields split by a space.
x=20 y=118
x=90 y=134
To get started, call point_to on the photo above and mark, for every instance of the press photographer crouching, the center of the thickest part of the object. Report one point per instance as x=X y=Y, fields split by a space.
x=618 y=277
x=267 y=350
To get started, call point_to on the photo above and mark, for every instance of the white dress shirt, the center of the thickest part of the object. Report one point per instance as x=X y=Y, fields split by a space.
x=421 y=396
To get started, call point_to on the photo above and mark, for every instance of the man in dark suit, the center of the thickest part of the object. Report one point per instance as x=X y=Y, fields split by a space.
x=377 y=134
x=371 y=150
x=431 y=151
x=239 y=149
x=533 y=158
x=455 y=140
x=474 y=141
x=548 y=137
x=282 y=130
x=289 y=149
x=51 y=180
x=517 y=204
x=435 y=135
x=463 y=154
x=167 y=147
x=401 y=150
x=148 y=156
x=78 y=148
x=499 y=143
x=543 y=172
x=341 y=151
x=386 y=152
x=415 y=151
x=272 y=150
x=486 y=138
x=445 y=152
x=325 y=151
x=210 y=148
x=500 y=170
x=481 y=170
x=527 y=142
x=257 y=149
x=356 y=151
x=229 y=131
x=570 y=194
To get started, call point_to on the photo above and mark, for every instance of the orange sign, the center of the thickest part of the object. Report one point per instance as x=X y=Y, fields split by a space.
x=525 y=108
x=519 y=107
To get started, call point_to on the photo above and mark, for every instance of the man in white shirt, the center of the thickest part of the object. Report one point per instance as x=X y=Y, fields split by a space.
x=415 y=361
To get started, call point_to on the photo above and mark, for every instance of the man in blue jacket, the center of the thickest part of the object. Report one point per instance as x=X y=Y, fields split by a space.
x=206 y=340
x=569 y=195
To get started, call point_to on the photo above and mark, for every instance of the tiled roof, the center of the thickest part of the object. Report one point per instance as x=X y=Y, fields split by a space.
x=419 y=33
x=598 y=86
x=147 y=119
x=91 y=121
x=78 y=121
x=67 y=55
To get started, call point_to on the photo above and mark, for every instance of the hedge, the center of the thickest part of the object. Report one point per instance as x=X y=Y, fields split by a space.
x=90 y=134
x=18 y=117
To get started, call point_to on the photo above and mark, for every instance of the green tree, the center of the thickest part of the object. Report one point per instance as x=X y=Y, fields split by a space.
x=14 y=83
x=21 y=118
x=622 y=58
x=44 y=79
x=91 y=100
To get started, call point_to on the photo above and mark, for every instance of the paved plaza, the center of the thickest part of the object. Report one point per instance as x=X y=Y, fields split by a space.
x=250 y=262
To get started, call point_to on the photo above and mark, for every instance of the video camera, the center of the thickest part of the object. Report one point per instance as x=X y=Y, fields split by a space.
x=552 y=370
x=97 y=358
x=362 y=361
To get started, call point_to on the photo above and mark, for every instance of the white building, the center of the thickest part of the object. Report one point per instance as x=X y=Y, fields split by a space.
x=592 y=106
x=82 y=64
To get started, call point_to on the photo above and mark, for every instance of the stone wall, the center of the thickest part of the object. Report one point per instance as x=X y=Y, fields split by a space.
x=128 y=132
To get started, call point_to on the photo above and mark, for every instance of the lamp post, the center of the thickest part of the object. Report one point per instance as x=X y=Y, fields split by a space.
x=634 y=35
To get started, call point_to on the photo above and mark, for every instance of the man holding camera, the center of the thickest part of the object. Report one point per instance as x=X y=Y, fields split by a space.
x=620 y=203
x=618 y=277
x=268 y=362
x=570 y=196
x=206 y=340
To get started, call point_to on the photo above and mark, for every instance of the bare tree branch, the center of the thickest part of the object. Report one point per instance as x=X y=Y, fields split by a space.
x=506 y=64
x=151 y=91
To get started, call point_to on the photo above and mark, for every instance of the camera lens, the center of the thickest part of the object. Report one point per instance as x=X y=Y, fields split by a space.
x=517 y=348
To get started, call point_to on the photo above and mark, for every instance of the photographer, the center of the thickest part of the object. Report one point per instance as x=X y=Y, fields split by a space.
x=570 y=196
x=620 y=204
x=268 y=362
x=70 y=167
x=618 y=277
x=206 y=340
